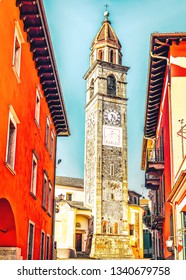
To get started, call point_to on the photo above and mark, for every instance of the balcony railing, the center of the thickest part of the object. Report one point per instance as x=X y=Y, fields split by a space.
x=147 y=219
x=155 y=155
x=152 y=181
x=155 y=162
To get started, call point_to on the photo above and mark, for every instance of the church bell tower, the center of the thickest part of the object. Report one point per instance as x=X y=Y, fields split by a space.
x=106 y=183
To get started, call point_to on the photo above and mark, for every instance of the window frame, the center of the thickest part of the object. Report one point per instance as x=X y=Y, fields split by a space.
x=111 y=82
x=47 y=138
x=68 y=195
x=44 y=192
x=11 y=147
x=33 y=185
x=42 y=245
x=52 y=143
x=50 y=198
x=47 y=251
x=32 y=241
x=16 y=59
x=131 y=229
x=37 y=106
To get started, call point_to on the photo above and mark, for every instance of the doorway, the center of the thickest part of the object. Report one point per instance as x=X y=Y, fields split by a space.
x=7 y=225
x=78 y=242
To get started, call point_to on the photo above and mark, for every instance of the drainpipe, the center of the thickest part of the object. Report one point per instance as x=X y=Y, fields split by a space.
x=174 y=233
x=170 y=110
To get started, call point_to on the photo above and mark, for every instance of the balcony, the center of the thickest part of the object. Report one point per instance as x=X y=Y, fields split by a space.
x=152 y=182
x=155 y=162
x=157 y=222
x=147 y=219
x=158 y=215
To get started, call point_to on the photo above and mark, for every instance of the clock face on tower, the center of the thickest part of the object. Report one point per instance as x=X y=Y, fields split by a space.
x=112 y=116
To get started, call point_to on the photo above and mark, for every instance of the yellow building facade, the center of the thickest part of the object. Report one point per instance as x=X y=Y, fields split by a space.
x=135 y=219
x=72 y=218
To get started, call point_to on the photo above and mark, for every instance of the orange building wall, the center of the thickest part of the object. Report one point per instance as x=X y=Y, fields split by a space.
x=167 y=174
x=22 y=96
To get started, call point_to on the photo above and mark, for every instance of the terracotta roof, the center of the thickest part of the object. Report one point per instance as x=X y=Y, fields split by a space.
x=35 y=25
x=106 y=36
x=77 y=204
x=134 y=193
x=69 y=181
x=159 y=53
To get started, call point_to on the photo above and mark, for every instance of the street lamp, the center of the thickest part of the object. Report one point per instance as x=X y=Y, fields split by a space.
x=170 y=244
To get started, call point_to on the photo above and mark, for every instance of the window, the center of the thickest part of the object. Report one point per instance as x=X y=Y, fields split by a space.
x=104 y=226
x=115 y=228
x=18 y=40
x=111 y=169
x=100 y=55
x=45 y=187
x=11 y=139
x=92 y=89
x=120 y=59
x=34 y=174
x=111 y=85
x=135 y=200
x=37 y=107
x=111 y=229
x=52 y=145
x=49 y=198
x=30 y=241
x=131 y=229
x=69 y=196
x=47 y=132
x=42 y=245
x=183 y=221
x=111 y=56
x=47 y=247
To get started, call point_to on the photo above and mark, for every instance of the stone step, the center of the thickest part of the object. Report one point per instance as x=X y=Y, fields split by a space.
x=82 y=255
x=10 y=253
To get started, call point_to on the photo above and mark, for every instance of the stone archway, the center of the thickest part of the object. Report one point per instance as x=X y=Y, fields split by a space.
x=8 y=243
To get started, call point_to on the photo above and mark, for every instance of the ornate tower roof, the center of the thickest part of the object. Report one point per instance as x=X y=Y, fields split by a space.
x=106 y=45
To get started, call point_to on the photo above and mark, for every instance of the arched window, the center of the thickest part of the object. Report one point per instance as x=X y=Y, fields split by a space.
x=100 y=55
x=104 y=226
x=115 y=228
x=111 y=85
x=92 y=88
x=120 y=59
x=111 y=56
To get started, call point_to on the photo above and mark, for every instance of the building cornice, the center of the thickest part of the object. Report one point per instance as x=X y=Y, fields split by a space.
x=159 y=58
x=107 y=65
x=33 y=15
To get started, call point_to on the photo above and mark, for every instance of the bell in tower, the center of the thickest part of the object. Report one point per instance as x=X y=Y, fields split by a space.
x=106 y=182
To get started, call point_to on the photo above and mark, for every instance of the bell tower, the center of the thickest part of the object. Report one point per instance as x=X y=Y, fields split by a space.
x=106 y=183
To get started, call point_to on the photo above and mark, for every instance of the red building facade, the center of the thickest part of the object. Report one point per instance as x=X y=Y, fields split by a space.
x=161 y=146
x=32 y=116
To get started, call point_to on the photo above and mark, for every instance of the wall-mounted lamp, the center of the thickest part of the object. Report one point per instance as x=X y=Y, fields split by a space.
x=170 y=244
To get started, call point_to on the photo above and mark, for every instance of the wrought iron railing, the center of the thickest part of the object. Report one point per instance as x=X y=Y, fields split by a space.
x=151 y=177
x=155 y=155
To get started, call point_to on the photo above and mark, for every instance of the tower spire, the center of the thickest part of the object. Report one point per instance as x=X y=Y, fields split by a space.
x=106 y=45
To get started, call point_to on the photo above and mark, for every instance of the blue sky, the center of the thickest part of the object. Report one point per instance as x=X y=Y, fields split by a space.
x=73 y=25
